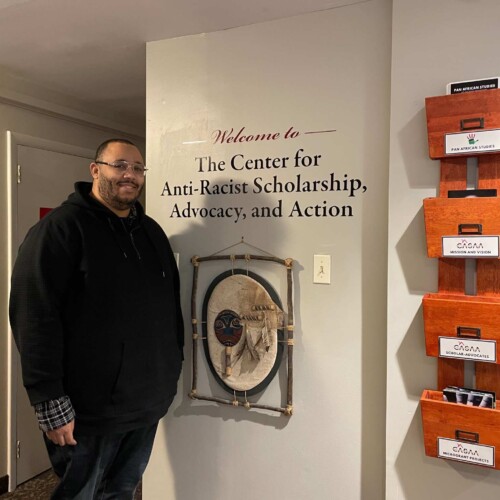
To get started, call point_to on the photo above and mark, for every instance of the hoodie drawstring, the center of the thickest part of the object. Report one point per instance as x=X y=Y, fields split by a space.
x=115 y=236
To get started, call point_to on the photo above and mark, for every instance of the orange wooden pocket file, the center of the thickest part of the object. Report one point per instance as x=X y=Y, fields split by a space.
x=462 y=322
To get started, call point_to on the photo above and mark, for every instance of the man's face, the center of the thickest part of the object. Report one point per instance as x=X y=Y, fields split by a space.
x=119 y=190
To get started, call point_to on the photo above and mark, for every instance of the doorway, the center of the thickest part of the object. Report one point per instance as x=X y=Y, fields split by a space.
x=43 y=174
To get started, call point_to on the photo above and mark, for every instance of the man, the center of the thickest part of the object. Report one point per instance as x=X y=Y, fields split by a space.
x=95 y=312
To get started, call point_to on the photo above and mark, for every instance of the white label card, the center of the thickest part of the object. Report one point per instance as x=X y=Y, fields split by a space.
x=468 y=349
x=483 y=141
x=463 y=451
x=470 y=246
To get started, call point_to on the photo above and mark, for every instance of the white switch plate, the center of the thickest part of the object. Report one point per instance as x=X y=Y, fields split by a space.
x=176 y=257
x=322 y=269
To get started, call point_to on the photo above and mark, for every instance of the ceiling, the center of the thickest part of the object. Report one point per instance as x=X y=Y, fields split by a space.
x=92 y=53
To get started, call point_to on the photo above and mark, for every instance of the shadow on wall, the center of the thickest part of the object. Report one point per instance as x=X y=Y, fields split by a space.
x=421 y=171
x=204 y=238
x=418 y=370
x=419 y=271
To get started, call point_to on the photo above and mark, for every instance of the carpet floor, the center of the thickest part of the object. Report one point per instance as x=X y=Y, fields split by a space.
x=41 y=487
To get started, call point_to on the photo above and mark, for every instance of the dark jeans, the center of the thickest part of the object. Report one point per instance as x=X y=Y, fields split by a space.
x=101 y=467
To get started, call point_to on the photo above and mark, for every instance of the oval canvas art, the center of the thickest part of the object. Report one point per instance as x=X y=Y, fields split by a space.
x=243 y=330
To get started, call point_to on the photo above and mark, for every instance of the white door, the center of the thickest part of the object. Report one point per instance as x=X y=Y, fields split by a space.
x=46 y=178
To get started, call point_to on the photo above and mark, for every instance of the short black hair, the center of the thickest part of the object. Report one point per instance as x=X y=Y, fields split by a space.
x=100 y=150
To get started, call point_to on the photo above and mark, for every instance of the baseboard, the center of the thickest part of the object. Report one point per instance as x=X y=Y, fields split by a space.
x=4 y=484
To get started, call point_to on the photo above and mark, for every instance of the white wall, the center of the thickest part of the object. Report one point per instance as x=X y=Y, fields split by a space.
x=44 y=125
x=328 y=70
x=434 y=43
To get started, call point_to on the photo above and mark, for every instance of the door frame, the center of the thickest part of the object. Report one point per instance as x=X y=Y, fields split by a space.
x=15 y=139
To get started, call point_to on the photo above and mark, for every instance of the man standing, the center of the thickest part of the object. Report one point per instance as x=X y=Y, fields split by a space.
x=96 y=316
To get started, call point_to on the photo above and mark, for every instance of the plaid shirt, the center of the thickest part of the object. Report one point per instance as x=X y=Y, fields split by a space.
x=54 y=413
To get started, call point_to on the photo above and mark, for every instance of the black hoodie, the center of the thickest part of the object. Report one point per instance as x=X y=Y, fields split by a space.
x=95 y=312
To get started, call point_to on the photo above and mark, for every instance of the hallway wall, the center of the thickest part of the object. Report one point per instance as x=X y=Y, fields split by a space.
x=433 y=43
x=312 y=73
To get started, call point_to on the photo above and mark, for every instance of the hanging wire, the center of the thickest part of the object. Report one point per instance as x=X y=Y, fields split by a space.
x=243 y=242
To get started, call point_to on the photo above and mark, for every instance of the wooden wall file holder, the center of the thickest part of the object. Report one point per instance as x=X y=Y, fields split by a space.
x=450 y=312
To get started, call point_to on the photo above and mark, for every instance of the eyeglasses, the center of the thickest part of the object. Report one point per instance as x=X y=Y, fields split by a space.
x=121 y=166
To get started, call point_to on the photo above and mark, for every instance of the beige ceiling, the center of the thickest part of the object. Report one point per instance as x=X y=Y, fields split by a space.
x=92 y=52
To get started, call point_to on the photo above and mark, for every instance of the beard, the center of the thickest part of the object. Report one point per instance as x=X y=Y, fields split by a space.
x=110 y=193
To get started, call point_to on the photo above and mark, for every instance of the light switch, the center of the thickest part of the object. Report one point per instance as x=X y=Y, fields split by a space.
x=322 y=269
x=176 y=257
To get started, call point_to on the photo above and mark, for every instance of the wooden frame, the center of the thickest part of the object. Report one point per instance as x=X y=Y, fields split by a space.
x=289 y=334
